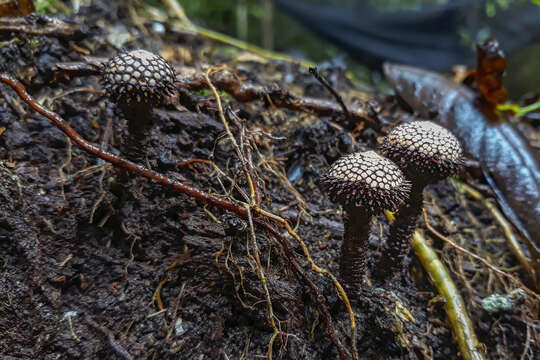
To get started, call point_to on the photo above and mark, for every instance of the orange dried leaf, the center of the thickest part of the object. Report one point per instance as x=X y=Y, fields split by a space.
x=490 y=68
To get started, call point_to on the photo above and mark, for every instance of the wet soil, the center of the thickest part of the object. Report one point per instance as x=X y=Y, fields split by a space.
x=100 y=264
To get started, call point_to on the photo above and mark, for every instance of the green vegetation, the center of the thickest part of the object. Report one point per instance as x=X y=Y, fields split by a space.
x=519 y=111
x=243 y=19
x=50 y=6
x=34 y=43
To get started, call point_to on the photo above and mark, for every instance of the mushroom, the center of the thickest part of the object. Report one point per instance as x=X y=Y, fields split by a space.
x=365 y=184
x=426 y=153
x=137 y=81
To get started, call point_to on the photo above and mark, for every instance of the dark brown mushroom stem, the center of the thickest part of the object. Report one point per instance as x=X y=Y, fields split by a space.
x=395 y=254
x=139 y=117
x=353 y=262
x=426 y=153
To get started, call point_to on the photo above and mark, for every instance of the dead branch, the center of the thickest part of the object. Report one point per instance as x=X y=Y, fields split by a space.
x=242 y=91
x=42 y=25
x=66 y=70
x=315 y=72
x=275 y=96
x=233 y=206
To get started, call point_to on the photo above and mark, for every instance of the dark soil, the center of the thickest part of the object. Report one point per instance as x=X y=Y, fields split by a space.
x=100 y=264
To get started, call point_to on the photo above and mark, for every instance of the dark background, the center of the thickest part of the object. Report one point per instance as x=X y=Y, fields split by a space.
x=274 y=27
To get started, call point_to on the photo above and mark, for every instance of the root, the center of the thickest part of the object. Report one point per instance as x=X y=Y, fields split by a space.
x=507 y=228
x=483 y=261
x=254 y=201
x=238 y=207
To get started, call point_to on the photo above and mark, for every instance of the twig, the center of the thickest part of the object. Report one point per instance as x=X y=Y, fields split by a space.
x=456 y=311
x=156 y=298
x=91 y=66
x=119 y=350
x=235 y=207
x=42 y=25
x=315 y=72
x=276 y=96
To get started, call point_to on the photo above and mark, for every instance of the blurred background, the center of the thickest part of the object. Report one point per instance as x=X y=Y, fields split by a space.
x=360 y=35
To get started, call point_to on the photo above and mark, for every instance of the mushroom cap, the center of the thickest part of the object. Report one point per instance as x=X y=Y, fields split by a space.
x=138 y=76
x=367 y=180
x=424 y=151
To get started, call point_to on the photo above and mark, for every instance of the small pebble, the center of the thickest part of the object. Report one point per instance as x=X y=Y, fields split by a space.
x=179 y=329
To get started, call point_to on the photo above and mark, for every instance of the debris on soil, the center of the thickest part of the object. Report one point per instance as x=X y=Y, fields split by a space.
x=219 y=243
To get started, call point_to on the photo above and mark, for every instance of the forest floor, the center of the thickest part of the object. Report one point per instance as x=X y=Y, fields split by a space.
x=99 y=263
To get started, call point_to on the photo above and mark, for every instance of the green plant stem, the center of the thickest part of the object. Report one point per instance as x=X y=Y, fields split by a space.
x=176 y=10
x=460 y=323
x=268 y=54
x=518 y=110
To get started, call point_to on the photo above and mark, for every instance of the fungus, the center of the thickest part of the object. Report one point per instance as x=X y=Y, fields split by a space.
x=137 y=81
x=365 y=184
x=426 y=153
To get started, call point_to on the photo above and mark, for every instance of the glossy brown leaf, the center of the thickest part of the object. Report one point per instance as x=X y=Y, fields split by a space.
x=510 y=165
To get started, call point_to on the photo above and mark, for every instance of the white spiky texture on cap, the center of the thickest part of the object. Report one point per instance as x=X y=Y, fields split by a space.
x=423 y=150
x=367 y=180
x=138 y=76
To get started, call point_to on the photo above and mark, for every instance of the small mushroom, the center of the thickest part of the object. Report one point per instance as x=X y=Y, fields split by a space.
x=137 y=81
x=365 y=184
x=426 y=153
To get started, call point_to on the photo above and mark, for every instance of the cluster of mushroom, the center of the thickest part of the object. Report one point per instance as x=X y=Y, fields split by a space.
x=412 y=156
